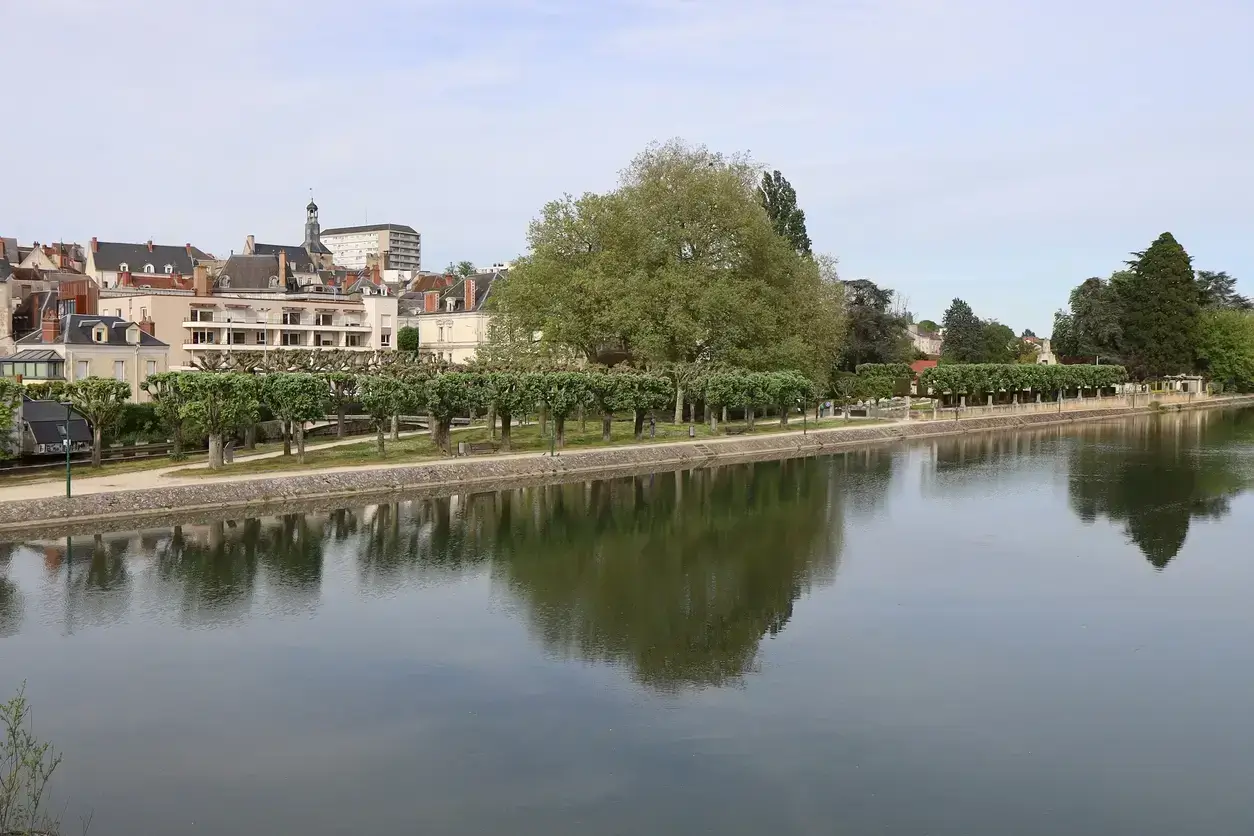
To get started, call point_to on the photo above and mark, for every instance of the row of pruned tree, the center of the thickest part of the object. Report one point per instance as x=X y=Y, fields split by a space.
x=991 y=378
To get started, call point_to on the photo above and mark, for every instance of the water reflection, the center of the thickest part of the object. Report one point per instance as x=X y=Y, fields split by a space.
x=1157 y=474
x=11 y=601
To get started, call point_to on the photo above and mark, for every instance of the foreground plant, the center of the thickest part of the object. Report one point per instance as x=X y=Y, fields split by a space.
x=26 y=767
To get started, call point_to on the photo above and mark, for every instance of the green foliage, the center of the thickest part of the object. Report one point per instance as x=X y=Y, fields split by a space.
x=218 y=404
x=978 y=379
x=1225 y=347
x=1000 y=344
x=26 y=767
x=1160 y=306
x=928 y=325
x=965 y=340
x=100 y=401
x=1091 y=325
x=779 y=199
x=138 y=423
x=52 y=390
x=874 y=334
x=381 y=396
x=10 y=399
x=679 y=264
x=464 y=269
x=891 y=370
x=168 y=399
x=1219 y=291
x=296 y=396
x=407 y=339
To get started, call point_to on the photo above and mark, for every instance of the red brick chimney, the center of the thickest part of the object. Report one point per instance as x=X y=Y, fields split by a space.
x=200 y=280
x=51 y=326
x=148 y=326
x=95 y=245
x=470 y=295
x=282 y=268
x=430 y=301
x=188 y=247
x=149 y=245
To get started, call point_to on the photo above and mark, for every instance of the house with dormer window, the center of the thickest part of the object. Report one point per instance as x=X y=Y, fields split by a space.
x=112 y=264
x=72 y=347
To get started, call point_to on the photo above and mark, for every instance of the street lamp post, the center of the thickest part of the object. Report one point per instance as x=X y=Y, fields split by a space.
x=68 y=445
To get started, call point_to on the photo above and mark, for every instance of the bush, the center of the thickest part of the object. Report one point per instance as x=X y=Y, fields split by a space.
x=26 y=767
x=138 y=424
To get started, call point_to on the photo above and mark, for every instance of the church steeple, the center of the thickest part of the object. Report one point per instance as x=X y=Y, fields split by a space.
x=313 y=232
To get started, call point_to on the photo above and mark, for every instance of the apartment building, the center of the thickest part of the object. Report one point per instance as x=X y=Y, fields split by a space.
x=450 y=316
x=391 y=246
x=107 y=261
x=213 y=319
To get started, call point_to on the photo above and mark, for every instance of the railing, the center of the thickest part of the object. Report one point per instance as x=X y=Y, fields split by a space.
x=1131 y=400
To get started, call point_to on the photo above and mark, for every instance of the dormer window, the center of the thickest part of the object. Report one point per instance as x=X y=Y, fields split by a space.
x=274 y=281
x=148 y=268
x=100 y=334
x=224 y=281
x=169 y=269
x=124 y=267
x=132 y=335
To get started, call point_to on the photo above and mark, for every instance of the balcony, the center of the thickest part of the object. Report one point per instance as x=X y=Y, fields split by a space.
x=193 y=325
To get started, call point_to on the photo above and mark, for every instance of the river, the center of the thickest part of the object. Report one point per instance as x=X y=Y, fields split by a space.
x=1035 y=633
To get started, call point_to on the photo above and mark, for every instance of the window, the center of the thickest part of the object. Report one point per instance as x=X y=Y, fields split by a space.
x=119 y=370
x=199 y=315
x=124 y=267
x=352 y=340
x=117 y=312
x=261 y=338
x=386 y=321
x=169 y=269
x=385 y=339
x=100 y=334
x=148 y=268
x=150 y=368
x=143 y=313
x=291 y=317
x=83 y=370
x=202 y=337
x=235 y=338
x=322 y=319
x=290 y=338
x=323 y=339
x=224 y=281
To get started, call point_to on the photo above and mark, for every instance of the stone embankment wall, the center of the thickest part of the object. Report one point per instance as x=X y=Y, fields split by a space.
x=335 y=488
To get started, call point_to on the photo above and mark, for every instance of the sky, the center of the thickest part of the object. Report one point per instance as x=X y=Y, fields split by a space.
x=1001 y=151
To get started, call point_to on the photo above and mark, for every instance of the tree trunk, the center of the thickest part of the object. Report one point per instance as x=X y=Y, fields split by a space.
x=607 y=426
x=506 y=420
x=339 y=420
x=300 y=441
x=583 y=420
x=379 y=437
x=396 y=428
x=446 y=435
x=679 y=405
x=176 y=443
x=215 y=451
x=713 y=413
x=492 y=422
x=783 y=415
x=749 y=418
x=638 y=425
x=544 y=421
x=705 y=408
x=559 y=430
x=250 y=437
x=287 y=437
x=97 y=441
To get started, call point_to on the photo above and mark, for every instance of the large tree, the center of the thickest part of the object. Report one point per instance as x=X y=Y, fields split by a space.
x=965 y=339
x=874 y=334
x=678 y=265
x=100 y=401
x=1159 y=304
x=295 y=399
x=219 y=403
x=1090 y=328
x=1225 y=349
x=1000 y=343
x=1219 y=290
x=779 y=199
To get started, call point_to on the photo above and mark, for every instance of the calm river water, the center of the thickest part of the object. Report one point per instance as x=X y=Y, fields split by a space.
x=1042 y=633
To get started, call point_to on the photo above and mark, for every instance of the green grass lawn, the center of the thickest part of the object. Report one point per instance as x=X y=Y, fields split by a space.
x=523 y=439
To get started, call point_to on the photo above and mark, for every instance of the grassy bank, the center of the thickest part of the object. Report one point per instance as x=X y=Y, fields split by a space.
x=523 y=440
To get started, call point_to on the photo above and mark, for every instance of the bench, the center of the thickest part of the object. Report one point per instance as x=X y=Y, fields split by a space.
x=736 y=430
x=476 y=447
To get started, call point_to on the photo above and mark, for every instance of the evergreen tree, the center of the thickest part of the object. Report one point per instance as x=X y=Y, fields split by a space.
x=1160 y=305
x=875 y=334
x=779 y=199
x=1219 y=291
x=965 y=338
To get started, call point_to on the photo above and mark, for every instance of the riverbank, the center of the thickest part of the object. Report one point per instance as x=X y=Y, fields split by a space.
x=242 y=495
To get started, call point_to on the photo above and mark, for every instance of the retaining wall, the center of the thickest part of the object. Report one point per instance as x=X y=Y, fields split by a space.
x=335 y=488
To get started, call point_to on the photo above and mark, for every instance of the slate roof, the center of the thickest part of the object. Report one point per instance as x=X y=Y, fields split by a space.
x=11 y=249
x=349 y=230
x=250 y=272
x=413 y=300
x=6 y=269
x=46 y=420
x=298 y=258
x=110 y=256
x=76 y=329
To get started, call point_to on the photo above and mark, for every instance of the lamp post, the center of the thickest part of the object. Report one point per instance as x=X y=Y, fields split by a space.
x=68 y=445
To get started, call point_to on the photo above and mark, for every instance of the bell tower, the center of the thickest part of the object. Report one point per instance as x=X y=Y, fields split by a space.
x=313 y=232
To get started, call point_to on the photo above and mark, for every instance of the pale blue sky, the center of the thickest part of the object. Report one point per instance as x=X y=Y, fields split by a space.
x=997 y=150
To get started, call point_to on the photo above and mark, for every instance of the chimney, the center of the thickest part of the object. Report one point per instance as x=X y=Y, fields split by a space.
x=95 y=245
x=470 y=295
x=188 y=247
x=149 y=245
x=250 y=245
x=200 y=280
x=430 y=301
x=51 y=326
x=148 y=326
x=282 y=268
x=124 y=279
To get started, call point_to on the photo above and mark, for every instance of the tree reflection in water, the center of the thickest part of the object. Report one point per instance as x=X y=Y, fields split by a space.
x=215 y=566
x=12 y=604
x=1156 y=474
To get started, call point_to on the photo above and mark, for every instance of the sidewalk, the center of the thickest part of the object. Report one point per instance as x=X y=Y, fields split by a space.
x=163 y=476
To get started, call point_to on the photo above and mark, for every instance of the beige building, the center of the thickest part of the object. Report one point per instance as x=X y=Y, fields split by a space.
x=212 y=319
x=391 y=246
x=78 y=346
x=451 y=321
x=926 y=342
x=107 y=261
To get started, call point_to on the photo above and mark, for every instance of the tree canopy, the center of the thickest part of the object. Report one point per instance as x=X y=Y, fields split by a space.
x=1159 y=310
x=874 y=333
x=965 y=340
x=100 y=401
x=779 y=199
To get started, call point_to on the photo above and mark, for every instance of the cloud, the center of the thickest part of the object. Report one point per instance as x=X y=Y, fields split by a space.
x=1001 y=150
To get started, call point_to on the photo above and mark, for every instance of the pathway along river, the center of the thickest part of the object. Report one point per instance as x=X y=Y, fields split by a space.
x=1048 y=632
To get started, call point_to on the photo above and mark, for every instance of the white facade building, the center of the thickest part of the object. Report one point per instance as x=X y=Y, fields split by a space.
x=394 y=246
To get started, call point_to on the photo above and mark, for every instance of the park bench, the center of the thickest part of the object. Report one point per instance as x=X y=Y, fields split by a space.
x=480 y=447
x=736 y=430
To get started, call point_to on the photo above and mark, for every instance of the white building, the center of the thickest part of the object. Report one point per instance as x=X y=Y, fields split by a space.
x=391 y=246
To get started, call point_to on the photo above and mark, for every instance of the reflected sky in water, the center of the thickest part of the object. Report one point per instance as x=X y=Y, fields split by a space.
x=1033 y=633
